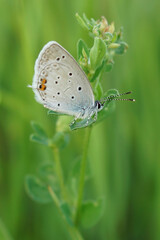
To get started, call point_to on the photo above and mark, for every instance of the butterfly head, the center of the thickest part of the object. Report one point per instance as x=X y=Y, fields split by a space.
x=99 y=105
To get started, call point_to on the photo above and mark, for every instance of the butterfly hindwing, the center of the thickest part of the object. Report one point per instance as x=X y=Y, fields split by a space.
x=59 y=83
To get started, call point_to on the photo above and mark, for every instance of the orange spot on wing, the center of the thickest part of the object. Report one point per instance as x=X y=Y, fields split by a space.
x=43 y=81
x=42 y=87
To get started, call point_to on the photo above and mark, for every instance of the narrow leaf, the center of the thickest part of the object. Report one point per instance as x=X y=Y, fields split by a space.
x=80 y=46
x=89 y=23
x=82 y=22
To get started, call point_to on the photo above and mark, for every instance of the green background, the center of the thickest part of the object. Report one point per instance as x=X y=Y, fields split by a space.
x=124 y=150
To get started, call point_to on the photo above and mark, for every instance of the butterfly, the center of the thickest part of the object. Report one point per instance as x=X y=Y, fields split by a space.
x=60 y=84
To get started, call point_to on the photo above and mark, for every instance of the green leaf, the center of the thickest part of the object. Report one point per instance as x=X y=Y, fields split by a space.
x=114 y=37
x=114 y=46
x=37 y=190
x=61 y=139
x=98 y=90
x=38 y=129
x=111 y=92
x=81 y=47
x=81 y=123
x=40 y=135
x=89 y=23
x=120 y=34
x=82 y=22
x=109 y=66
x=122 y=48
x=38 y=139
x=67 y=213
x=106 y=111
x=108 y=36
x=91 y=212
x=47 y=175
x=109 y=106
x=98 y=71
x=46 y=169
x=97 y=53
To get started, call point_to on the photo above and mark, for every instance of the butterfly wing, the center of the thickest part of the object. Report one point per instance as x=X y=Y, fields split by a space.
x=59 y=83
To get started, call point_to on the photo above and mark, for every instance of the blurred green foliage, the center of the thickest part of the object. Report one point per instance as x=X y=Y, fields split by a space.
x=124 y=149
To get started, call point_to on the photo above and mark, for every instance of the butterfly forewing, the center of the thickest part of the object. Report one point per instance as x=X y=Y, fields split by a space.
x=59 y=83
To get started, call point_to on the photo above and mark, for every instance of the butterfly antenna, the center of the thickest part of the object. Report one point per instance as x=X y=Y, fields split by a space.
x=114 y=97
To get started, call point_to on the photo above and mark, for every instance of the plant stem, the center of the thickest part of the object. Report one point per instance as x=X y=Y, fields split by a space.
x=4 y=232
x=82 y=174
x=59 y=171
x=74 y=233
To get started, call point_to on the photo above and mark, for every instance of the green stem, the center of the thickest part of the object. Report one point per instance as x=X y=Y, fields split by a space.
x=74 y=233
x=59 y=171
x=82 y=174
x=4 y=232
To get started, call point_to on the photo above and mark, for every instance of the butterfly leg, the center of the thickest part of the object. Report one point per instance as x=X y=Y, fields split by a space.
x=78 y=116
x=95 y=116
x=90 y=115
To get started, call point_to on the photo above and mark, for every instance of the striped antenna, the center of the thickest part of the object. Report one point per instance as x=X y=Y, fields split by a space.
x=114 y=97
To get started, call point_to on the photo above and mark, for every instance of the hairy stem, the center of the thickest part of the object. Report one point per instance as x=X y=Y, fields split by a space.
x=74 y=233
x=82 y=174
